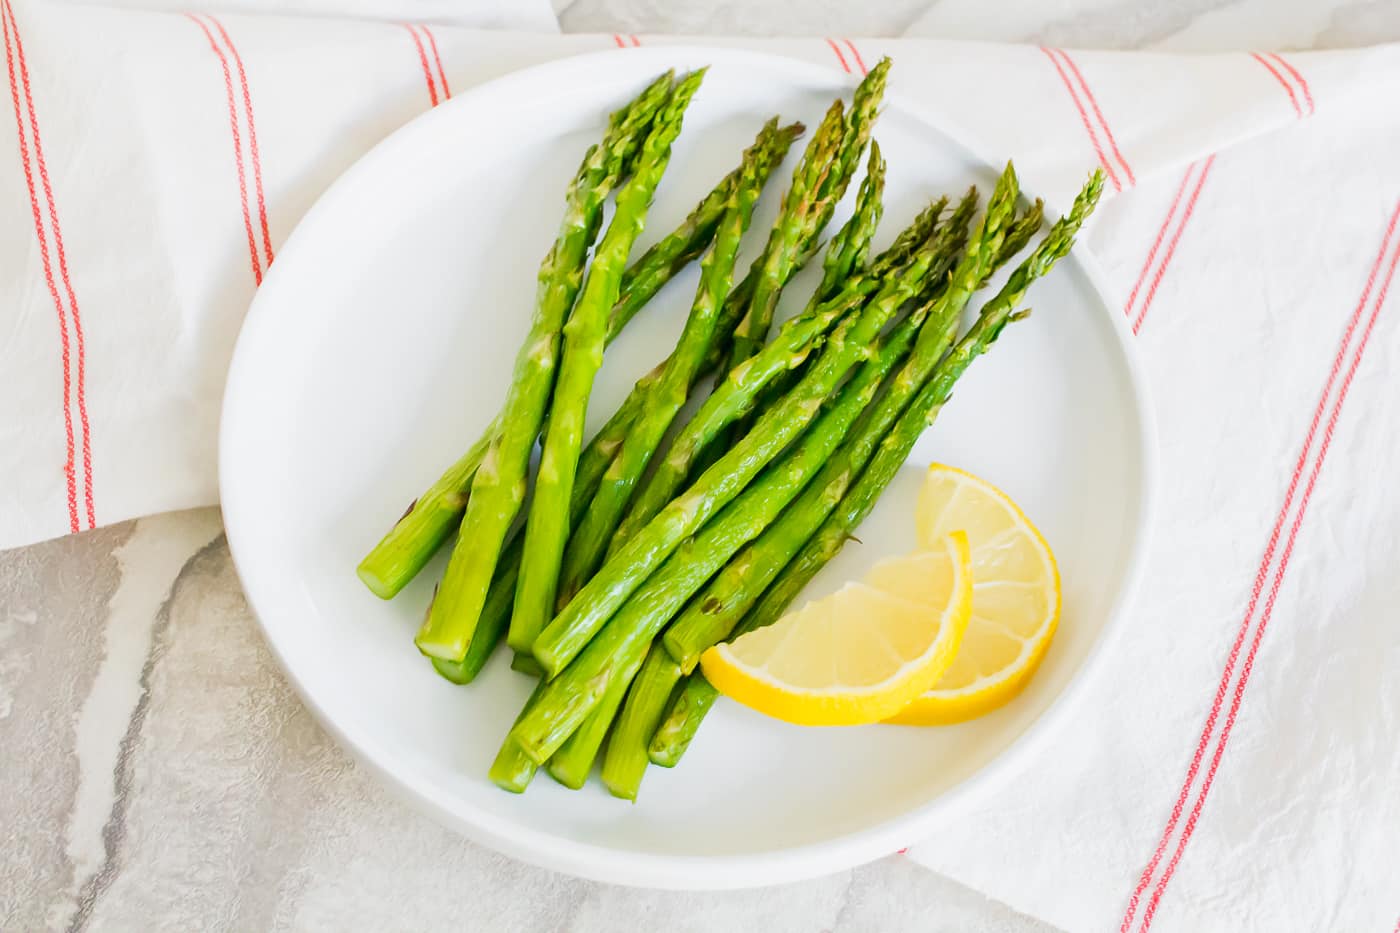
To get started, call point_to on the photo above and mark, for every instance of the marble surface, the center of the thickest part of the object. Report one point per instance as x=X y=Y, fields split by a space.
x=158 y=772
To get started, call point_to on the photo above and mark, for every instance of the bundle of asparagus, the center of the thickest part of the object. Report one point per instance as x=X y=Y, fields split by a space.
x=618 y=579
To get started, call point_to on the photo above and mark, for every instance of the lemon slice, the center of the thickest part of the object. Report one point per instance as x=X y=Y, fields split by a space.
x=1015 y=597
x=859 y=655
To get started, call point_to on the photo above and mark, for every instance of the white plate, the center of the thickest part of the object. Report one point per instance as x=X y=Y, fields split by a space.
x=379 y=347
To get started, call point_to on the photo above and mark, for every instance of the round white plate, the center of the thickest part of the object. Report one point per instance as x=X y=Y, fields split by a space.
x=380 y=346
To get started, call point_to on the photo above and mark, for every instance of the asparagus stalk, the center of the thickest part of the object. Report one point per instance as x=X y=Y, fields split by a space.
x=498 y=486
x=495 y=616
x=627 y=569
x=574 y=760
x=740 y=390
x=846 y=254
x=434 y=515
x=696 y=697
x=689 y=709
x=733 y=591
x=677 y=249
x=845 y=257
x=790 y=231
x=896 y=255
x=808 y=207
x=585 y=335
x=495 y=613
x=625 y=763
x=424 y=526
x=513 y=770
x=735 y=588
x=781 y=423
x=995 y=315
x=572 y=694
x=668 y=394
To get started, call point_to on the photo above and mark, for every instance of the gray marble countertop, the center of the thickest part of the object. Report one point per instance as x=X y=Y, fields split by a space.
x=158 y=772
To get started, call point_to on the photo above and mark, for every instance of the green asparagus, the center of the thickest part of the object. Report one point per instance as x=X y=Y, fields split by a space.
x=665 y=259
x=845 y=257
x=626 y=761
x=574 y=760
x=727 y=597
x=495 y=612
x=741 y=388
x=856 y=504
x=435 y=515
x=671 y=388
x=571 y=694
x=673 y=736
x=499 y=485
x=808 y=207
x=585 y=335
x=690 y=707
x=629 y=567
x=846 y=254
x=513 y=770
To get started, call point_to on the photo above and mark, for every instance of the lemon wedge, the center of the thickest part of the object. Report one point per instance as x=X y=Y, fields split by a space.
x=1015 y=597
x=863 y=653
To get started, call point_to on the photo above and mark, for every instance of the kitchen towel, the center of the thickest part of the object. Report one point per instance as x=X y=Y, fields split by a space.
x=1235 y=766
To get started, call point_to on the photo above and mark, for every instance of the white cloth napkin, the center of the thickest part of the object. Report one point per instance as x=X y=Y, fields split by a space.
x=1236 y=766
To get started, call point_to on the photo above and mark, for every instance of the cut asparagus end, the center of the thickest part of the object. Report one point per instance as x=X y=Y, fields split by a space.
x=682 y=721
x=571 y=765
x=526 y=664
x=512 y=770
x=626 y=761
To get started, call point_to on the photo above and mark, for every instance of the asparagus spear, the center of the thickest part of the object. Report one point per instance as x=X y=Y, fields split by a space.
x=816 y=188
x=673 y=252
x=736 y=586
x=572 y=694
x=696 y=697
x=426 y=524
x=495 y=612
x=585 y=335
x=513 y=770
x=846 y=254
x=781 y=424
x=689 y=709
x=995 y=315
x=727 y=597
x=845 y=257
x=789 y=232
x=754 y=329
x=625 y=763
x=737 y=304
x=855 y=238
x=434 y=515
x=664 y=399
x=498 y=488
x=740 y=390
x=505 y=455
x=571 y=764
x=627 y=569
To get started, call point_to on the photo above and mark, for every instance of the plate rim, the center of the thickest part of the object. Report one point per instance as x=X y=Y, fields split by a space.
x=702 y=872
